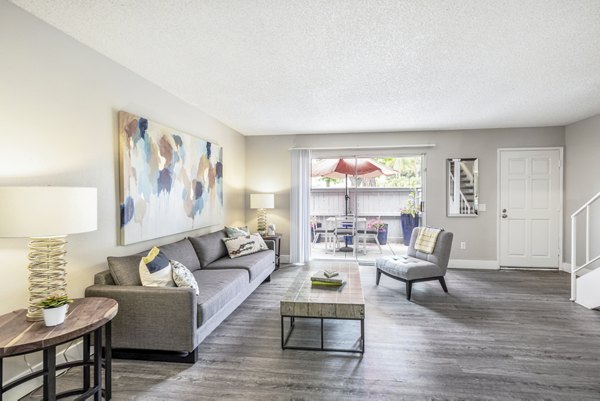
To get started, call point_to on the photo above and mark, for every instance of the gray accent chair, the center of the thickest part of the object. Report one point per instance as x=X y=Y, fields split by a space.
x=418 y=266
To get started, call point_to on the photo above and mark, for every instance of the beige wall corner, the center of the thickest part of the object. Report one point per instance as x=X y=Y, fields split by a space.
x=59 y=103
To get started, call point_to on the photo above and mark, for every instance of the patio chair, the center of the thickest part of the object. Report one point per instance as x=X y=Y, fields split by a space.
x=364 y=233
x=418 y=266
x=327 y=233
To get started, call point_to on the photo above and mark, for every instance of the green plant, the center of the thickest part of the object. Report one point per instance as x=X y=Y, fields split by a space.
x=411 y=205
x=55 y=301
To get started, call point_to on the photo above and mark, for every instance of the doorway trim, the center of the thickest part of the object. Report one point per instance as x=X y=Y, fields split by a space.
x=561 y=174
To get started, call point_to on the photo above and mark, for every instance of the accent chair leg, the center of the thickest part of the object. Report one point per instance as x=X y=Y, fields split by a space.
x=443 y=283
x=378 y=277
x=408 y=289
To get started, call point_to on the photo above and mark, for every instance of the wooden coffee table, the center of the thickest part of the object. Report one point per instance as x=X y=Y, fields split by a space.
x=302 y=300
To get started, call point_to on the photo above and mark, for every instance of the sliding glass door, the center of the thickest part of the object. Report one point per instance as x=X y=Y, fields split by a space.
x=357 y=202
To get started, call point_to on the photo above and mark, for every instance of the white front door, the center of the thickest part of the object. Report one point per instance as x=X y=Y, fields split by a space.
x=530 y=208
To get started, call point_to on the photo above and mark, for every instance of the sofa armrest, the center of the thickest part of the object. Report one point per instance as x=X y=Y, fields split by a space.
x=153 y=318
x=270 y=244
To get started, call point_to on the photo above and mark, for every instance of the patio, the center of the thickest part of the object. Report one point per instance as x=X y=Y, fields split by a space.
x=318 y=251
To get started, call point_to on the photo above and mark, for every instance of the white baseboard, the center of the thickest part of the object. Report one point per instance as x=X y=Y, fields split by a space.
x=19 y=366
x=284 y=258
x=565 y=267
x=473 y=264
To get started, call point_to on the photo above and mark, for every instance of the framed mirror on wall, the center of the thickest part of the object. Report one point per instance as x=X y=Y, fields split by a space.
x=462 y=195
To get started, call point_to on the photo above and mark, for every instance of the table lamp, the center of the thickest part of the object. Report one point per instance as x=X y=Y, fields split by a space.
x=262 y=202
x=46 y=215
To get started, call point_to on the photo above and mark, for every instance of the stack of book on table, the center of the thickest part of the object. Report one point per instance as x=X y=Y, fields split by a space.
x=327 y=278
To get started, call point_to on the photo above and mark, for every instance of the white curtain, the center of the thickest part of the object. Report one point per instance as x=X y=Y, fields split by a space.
x=300 y=206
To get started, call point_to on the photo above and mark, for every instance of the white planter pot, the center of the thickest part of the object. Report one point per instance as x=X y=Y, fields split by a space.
x=55 y=316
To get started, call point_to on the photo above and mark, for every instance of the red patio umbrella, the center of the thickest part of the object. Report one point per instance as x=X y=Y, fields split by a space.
x=342 y=168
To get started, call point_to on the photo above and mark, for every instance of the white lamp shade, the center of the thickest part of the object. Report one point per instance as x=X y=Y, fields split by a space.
x=262 y=201
x=47 y=211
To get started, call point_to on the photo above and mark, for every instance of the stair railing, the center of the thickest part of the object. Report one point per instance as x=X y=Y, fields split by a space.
x=459 y=202
x=588 y=261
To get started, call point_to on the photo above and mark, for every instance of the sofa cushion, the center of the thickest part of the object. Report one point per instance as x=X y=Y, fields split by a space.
x=233 y=232
x=254 y=264
x=125 y=270
x=155 y=269
x=244 y=245
x=216 y=289
x=183 y=277
x=209 y=247
x=183 y=252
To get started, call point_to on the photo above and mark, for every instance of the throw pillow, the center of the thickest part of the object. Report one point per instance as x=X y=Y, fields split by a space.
x=155 y=269
x=234 y=232
x=183 y=277
x=246 y=245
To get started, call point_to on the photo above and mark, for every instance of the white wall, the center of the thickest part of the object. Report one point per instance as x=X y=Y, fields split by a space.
x=268 y=169
x=58 y=126
x=582 y=181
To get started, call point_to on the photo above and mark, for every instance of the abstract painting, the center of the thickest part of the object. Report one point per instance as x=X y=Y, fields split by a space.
x=170 y=181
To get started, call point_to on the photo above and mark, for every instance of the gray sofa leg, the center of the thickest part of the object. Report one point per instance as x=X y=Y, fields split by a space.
x=378 y=277
x=150 y=355
x=408 y=289
x=268 y=279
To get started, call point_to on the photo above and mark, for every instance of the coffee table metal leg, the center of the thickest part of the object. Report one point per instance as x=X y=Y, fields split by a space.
x=321 y=333
x=362 y=335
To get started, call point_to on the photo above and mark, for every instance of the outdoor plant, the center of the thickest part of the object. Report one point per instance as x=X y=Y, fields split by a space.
x=55 y=301
x=411 y=205
x=376 y=224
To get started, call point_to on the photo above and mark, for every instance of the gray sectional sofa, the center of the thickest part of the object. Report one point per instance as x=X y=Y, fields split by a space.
x=169 y=323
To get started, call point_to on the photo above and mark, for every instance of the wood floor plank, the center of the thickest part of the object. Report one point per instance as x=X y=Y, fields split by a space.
x=506 y=335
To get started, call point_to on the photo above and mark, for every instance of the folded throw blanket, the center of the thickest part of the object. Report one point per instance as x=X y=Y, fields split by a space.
x=426 y=239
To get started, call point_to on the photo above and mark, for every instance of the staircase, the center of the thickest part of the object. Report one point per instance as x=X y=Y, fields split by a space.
x=585 y=279
x=467 y=186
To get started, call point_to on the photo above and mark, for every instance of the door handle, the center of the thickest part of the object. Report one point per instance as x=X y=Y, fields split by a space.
x=504 y=215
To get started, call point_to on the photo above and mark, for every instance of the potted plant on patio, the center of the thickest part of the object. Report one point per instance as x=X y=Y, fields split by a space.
x=409 y=217
x=381 y=227
x=54 y=309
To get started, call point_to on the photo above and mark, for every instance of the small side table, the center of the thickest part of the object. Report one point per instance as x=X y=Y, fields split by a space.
x=86 y=316
x=277 y=238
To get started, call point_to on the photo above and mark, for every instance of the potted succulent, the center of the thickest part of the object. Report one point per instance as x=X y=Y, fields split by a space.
x=54 y=309
x=409 y=217
x=381 y=227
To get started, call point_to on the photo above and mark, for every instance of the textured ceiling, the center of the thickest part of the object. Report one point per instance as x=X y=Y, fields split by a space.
x=284 y=67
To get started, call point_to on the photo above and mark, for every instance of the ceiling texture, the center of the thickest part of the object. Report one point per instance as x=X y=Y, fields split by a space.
x=289 y=67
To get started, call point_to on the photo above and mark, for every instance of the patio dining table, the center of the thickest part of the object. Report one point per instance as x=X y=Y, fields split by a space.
x=346 y=223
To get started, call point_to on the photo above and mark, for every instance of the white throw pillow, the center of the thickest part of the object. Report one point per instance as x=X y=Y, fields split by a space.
x=183 y=277
x=155 y=270
x=245 y=245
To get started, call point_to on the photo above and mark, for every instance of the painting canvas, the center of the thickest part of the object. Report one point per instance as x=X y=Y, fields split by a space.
x=171 y=182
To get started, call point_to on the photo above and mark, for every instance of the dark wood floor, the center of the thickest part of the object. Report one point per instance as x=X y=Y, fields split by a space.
x=507 y=335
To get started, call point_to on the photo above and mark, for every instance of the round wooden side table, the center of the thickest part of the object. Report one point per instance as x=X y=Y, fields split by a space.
x=86 y=316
